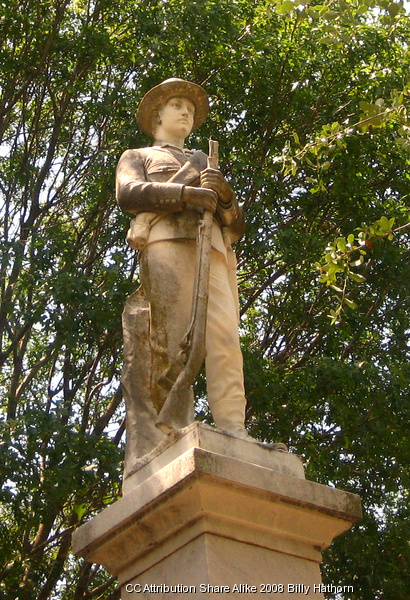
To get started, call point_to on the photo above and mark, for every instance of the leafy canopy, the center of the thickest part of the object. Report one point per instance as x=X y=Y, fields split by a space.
x=311 y=110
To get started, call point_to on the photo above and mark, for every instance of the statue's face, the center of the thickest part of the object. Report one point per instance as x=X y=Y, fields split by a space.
x=177 y=116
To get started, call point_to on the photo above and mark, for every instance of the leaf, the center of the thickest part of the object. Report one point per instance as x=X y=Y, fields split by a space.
x=341 y=244
x=384 y=223
x=394 y=8
x=331 y=15
x=357 y=277
x=350 y=303
x=285 y=7
x=358 y=262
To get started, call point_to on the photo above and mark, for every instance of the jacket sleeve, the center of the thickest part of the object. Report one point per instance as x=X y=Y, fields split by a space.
x=135 y=194
x=231 y=214
x=236 y=226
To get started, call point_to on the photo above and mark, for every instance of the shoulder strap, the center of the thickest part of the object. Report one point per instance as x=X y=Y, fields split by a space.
x=191 y=170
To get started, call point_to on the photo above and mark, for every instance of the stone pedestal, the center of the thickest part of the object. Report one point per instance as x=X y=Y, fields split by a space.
x=208 y=515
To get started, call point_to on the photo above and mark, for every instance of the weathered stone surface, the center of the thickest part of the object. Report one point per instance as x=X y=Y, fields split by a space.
x=142 y=435
x=199 y=435
x=226 y=568
x=204 y=512
x=187 y=308
x=205 y=518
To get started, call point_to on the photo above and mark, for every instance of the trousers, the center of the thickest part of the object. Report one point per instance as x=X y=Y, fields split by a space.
x=167 y=271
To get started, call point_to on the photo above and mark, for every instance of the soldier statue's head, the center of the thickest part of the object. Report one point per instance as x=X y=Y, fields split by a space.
x=174 y=102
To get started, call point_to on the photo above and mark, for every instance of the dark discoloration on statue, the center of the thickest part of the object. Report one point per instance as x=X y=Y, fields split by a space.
x=171 y=190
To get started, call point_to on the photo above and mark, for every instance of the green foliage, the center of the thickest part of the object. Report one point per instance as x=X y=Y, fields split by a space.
x=311 y=110
x=345 y=253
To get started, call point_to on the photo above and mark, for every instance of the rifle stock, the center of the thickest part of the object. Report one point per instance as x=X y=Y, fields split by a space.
x=172 y=414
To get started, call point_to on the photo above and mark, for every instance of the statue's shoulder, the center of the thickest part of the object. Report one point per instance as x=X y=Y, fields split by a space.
x=136 y=152
x=134 y=157
x=200 y=153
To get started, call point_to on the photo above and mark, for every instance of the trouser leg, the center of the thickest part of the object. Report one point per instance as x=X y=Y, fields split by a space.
x=141 y=434
x=224 y=362
x=167 y=274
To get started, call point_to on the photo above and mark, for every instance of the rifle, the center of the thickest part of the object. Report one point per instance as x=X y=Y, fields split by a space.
x=192 y=353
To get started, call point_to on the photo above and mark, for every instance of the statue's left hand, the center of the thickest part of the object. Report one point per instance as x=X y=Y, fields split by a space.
x=213 y=179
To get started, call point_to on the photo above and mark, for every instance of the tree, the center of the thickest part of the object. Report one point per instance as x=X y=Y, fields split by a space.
x=310 y=106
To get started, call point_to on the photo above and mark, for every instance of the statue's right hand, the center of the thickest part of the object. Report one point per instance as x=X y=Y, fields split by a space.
x=200 y=198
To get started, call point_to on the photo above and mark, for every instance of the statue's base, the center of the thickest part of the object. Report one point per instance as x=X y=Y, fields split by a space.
x=211 y=515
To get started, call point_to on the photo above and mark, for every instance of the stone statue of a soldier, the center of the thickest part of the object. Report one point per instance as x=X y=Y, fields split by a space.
x=168 y=188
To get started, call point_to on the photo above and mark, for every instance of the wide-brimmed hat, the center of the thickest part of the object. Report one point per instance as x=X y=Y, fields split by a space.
x=160 y=94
